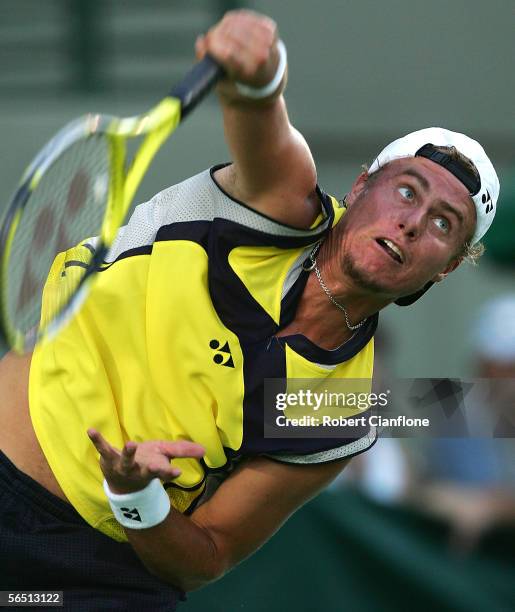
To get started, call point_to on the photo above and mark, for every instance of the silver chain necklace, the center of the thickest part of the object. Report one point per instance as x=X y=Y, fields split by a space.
x=314 y=267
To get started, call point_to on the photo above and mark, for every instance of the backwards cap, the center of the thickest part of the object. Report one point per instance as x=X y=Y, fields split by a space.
x=484 y=193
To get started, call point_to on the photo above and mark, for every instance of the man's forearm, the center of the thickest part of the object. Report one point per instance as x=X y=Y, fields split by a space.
x=273 y=171
x=179 y=551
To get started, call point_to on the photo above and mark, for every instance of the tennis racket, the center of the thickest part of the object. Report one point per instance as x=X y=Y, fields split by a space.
x=80 y=185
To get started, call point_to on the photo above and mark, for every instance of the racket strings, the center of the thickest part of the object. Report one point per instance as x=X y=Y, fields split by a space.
x=66 y=208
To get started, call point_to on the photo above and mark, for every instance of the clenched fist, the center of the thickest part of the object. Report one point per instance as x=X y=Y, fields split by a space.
x=245 y=44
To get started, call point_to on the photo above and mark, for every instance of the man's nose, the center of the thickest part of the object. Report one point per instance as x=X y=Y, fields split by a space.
x=412 y=223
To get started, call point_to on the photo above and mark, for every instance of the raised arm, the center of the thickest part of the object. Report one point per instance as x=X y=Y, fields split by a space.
x=246 y=510
x=273 y=170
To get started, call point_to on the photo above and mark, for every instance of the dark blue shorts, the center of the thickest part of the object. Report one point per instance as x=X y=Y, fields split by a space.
x=46 y=545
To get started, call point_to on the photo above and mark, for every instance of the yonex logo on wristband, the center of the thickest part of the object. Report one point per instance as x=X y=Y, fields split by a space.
x=152 y=505
x=131 y=514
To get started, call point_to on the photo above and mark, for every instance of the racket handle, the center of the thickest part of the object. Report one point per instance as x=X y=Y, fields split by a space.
x=196 y=84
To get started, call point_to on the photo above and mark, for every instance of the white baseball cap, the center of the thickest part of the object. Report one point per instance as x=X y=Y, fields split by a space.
x=484 y=192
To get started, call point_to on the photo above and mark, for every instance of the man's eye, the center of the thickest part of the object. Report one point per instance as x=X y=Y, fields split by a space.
x=407 y=193
x=442 y=223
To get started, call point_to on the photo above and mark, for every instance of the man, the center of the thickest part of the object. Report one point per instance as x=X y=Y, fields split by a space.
x=236 y=275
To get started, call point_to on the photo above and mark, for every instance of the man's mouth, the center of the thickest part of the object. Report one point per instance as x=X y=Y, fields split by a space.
x=392 y=249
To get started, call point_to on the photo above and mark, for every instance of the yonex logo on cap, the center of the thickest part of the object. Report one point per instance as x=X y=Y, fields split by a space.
x=486 y=199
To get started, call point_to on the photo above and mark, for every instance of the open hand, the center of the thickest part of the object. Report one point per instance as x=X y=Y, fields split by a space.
x=132 y=468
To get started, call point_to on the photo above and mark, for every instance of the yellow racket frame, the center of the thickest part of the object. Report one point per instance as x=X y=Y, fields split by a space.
x=155 y=126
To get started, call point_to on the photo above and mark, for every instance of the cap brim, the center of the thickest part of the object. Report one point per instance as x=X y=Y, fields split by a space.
x=407 y=300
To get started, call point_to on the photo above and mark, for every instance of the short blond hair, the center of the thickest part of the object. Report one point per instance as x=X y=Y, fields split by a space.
x=472 y=252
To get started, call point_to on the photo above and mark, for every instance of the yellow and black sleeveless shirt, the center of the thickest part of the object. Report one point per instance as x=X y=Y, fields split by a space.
x=175 y=340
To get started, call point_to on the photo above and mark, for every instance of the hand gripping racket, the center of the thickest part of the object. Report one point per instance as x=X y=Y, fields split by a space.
x=79 y=185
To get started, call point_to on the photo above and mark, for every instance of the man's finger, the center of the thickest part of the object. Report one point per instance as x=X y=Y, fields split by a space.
x=182 y=448
x=127 y=456
x=200 y=47
x=101 y=444
x=164 y=473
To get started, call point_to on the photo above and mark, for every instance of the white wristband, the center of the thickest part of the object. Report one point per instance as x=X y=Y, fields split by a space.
x=141 y=509
x=270 y=88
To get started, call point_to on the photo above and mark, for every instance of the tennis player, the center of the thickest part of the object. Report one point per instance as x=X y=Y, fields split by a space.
x=244 y=272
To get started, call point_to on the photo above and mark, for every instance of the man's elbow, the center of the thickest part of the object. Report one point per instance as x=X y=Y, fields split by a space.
x=195 y=572
x=189 y=581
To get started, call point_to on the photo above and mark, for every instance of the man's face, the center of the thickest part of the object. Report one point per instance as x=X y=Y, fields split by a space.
x=405 y=227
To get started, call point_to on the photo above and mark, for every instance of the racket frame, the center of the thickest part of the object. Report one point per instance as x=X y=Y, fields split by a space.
x=155 y=126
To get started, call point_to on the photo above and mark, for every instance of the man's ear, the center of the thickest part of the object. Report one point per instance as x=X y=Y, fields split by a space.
x=450 y=268
x=357 y=188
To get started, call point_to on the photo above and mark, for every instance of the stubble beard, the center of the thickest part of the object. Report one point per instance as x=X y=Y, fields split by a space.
x=360 y=277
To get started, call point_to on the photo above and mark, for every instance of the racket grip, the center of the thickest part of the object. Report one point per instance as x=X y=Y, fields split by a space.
x=197 y=83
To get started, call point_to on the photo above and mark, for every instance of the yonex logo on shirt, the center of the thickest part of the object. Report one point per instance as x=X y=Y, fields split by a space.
x=222 y=354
